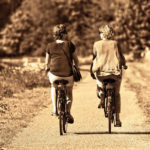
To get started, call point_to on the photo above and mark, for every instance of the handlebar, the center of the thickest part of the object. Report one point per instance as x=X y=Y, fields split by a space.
x=47 y=69
x=125 y=67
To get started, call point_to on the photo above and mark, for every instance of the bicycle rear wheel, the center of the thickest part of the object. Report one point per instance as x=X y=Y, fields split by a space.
x=109 y=114
x=65 y=123
x=106 y=107
x=57 y=104
x=61 y=123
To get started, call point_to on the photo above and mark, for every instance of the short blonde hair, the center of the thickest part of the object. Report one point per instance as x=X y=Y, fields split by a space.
x=107 y=31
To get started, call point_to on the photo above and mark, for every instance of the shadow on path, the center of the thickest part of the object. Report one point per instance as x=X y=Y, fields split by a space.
x=88 y=133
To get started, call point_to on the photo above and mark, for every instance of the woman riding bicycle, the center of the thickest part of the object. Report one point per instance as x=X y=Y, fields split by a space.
x=58 y=66
x=107 y=63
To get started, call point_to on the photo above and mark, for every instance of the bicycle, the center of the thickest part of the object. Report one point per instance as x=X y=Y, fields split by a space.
x=61 y=104
x=109 y=101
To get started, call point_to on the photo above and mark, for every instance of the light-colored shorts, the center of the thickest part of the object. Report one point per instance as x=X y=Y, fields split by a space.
x=53 y=78
x=99 y=79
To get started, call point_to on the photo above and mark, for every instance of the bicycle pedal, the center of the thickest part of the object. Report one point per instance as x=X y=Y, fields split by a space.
x=99 y=106
x=106 y=115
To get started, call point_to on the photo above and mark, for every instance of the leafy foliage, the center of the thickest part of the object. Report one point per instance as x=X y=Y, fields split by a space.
x=13 y=34
x=6 y=8
x=132 y=25
x=30 y=27
x=13 y=80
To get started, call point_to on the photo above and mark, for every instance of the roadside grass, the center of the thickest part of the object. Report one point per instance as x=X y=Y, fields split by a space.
x=14 y=80
x=17 y=112
x=20 y=99
x=138 y=82
x=23 y=93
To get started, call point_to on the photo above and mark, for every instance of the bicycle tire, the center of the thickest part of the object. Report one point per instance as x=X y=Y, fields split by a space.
x=65 y=123
x=57 y=104
x=105 y=108
x=61 y=123
x=109 y=114
x=57 y=101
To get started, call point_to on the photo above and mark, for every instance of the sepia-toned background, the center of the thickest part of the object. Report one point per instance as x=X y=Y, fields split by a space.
x=26 y=29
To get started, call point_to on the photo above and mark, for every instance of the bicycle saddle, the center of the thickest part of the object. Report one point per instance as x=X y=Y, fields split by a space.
x=108 y=83
x=109 y=80
x=61 y=82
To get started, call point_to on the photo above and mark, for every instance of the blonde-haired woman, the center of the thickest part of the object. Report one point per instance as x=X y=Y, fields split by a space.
x=107 y=63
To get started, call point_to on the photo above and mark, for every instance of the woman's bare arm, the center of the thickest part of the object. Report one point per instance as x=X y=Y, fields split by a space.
x=47 y=58
x=123 y=61
x=75 y=58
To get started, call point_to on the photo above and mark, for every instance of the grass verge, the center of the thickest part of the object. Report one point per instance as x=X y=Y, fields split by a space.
x=23 y=95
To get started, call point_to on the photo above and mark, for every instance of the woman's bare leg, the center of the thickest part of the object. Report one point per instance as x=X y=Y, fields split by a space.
x=53 y=97
x=69 y=98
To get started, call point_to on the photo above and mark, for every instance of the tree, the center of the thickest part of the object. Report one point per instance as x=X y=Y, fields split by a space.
x=132 y=25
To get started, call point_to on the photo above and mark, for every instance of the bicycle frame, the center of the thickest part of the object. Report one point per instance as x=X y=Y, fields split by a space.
x=61 y=98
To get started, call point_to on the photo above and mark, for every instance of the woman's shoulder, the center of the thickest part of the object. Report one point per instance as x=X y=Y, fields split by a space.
x=50 y=43
x=109 y=42
x=70 y=44
x=50 y=46
x=113 y=41
x=96 y=43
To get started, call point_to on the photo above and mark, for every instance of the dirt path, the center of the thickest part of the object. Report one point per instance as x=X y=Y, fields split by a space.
x=89 y=132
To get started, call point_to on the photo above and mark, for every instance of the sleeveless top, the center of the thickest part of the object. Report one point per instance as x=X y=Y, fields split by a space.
x=109 y=58
x=59 y=64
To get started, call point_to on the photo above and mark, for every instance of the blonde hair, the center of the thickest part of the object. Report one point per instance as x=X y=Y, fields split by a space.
x=107 y=31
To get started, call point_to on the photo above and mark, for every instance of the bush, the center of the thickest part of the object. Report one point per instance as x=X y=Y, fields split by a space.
x=30 y=27
x=14 y=80
x=13 y=34
x=132 y=27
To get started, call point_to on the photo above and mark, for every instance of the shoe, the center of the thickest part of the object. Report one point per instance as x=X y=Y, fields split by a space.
x=70 y=118
x=118 y=123
x=54 y=114
x=101 y=105
x=98 y=95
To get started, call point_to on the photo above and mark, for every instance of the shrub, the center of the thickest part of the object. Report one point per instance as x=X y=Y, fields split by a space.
x=132 y=27
x=14 y=80
x=30 y=28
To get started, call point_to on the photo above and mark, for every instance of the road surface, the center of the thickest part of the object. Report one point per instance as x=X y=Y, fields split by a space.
x=90 y=129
